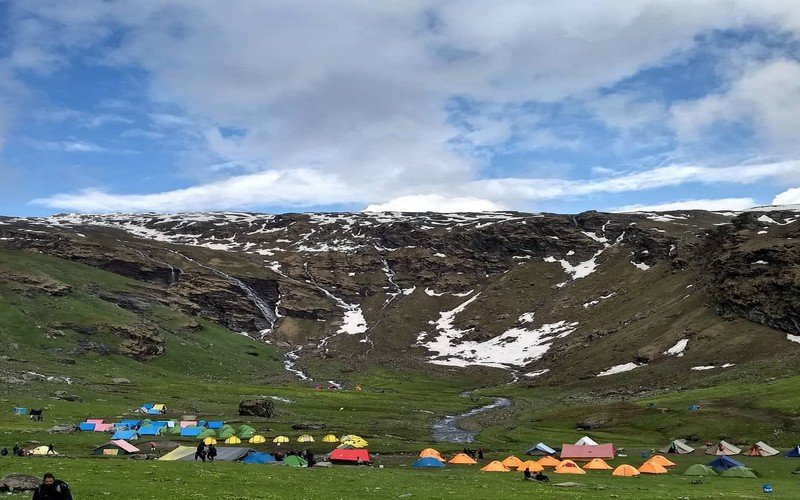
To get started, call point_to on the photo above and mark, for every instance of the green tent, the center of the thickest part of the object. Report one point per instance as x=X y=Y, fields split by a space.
x=206 y=433
x=246 y=432
x=294 y=461
x=700 y=470
x=175 y=430
x=738 y=472
x=225 y=432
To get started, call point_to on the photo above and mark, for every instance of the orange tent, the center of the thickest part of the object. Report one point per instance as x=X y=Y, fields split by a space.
x=625 y=470
x=531 y=465
x=495 y=467
x=652 y=468
x=462 y=458
x=568 y=467
x=597 y=464
x=548 y=461
x=430 y=452
x=661 y=460
x=512 y=462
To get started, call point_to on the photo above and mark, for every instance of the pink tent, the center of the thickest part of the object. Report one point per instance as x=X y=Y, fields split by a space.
x=188 y=423
x=94 y=420
x=103 y=427
x=587 y=452
x=125 y=445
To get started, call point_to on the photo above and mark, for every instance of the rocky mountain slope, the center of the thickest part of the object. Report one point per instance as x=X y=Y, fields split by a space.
x=600 y=299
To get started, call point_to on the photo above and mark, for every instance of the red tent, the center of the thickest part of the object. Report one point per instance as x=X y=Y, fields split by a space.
x=572 y=451
x=342 y=455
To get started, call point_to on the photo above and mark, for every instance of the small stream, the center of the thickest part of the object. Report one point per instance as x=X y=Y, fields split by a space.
x=447 y=429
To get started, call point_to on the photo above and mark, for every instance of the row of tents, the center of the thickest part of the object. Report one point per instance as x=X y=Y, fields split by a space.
x=152 y=408
x=724 y=448
x=340 y=456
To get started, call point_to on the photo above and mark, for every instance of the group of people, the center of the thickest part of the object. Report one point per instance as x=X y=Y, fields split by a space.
x=205 y=452
x=474 y=454
x=540 y=476
x=18 y=451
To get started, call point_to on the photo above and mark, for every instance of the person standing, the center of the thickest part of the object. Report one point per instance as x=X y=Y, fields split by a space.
x=212 y=452
x=200 y=452
x=52 y=489
x=50 y=450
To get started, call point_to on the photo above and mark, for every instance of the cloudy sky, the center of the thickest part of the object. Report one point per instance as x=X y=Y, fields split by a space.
x=163 y=105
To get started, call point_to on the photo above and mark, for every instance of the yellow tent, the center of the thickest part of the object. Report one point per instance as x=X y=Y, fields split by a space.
x=430 y=452
x=257 y=439
x=41 y=450
x=233 y=440
x=330 y=438
x=568 y=467
x=209 y=440
x=661 y=460
x=531 y=465
x=652 y=468
x=462 y=458
x=512 y=462
x=625 y=470
x=354 y=441
x=178 y=453
x=305 y=438
x=159 y=407
x=280 y=439
x=548 y=461
x=495 y=467
x=597 y=464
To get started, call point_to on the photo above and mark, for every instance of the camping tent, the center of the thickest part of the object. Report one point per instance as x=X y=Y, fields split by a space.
x=430 y=452
x=540 y=449
x=280 y=439
x=103 y=427
x=330 y=438
x=294 y=461
x=149 y=430
x=225 y=432
x=531 y=465
x=86 y=426
x=354 y=441
x=233 y=440
x=742 y=472
x=428 y=463
x=130 y=423
x=650 y=467
x=586 y=441
x=349 y=456
x=188 y=423
x=597 y=464
x=224 y=454
x=17 y=410
x=305 y=438
x=700 y=470
x=793 y=453
x=662 y=461
x=625 y=470
x=587 y=451
x=258 y=458
x=724 y=463
x=215 y=424
x=127 y=435
x=494 y=467
x=116 y=447
x=257 y=439
x=462 y=458
x=511 y=462
x=191 y=431
x=179 y=453
x=41 y=450
x=246 y=432
x=210 y=440
x=548 y=461
x=762 y=449
x=677 y=446
x=568 y=467
x=94 y=420
x=723 y=448
x=204 y=433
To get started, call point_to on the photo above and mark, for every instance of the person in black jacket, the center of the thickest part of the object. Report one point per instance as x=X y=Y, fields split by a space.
x=212 y=452
x=52 y=489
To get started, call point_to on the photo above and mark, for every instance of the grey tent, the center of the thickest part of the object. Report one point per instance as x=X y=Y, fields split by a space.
x=224 y=454
x=677 y=446
x=540 y=449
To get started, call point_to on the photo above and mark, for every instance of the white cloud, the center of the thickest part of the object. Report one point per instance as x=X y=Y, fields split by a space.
x=434 y=203
x=723 y=204
x=788 y=197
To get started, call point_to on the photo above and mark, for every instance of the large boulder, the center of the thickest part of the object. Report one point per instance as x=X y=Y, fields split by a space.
x=257 y=407
x=62 y=429
x=309 y=427
x=19 y=482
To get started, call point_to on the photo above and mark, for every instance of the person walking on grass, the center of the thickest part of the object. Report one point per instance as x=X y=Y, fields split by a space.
x=50 y=450
x=212 y=452
x=52 y=489
x=200 y=452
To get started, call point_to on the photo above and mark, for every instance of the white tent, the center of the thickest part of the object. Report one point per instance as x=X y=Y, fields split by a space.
x=586 y=441
x=677 y=446
x=762 y=449
x=723 y=448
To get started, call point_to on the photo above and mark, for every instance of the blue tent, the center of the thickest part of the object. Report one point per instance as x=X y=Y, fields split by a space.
x=724 y=462
x=19 y=411
x=130 y=423
x=147 y=406
x=149 y=430
x=201 y=423
x=161 y=424
x=191 y=431
x=793 y=453
x=126 y=435
x=215 y=424
x=153 y=411
x=540 y=449
x=258 y=458
x=428 y=463
x=86 y=426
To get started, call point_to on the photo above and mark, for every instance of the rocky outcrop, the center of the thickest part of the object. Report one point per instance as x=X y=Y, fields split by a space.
x=257 y=407
x=19 y=482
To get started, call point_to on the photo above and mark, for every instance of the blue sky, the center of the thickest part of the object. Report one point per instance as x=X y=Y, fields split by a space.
x=417 y=105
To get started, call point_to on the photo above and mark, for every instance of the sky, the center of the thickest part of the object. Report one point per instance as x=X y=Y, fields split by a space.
x=409 y=105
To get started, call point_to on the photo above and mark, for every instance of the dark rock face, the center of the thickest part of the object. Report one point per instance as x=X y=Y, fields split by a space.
x=258 y=407
x=19 y=482
x=309 y=426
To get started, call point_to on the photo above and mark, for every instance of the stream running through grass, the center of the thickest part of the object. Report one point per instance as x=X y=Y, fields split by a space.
x=447 y=429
